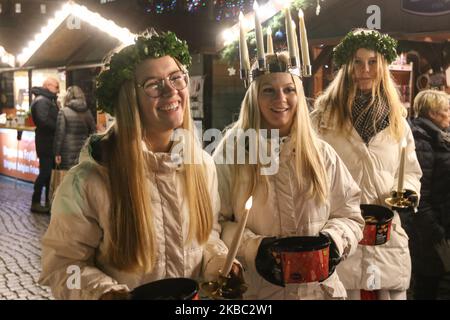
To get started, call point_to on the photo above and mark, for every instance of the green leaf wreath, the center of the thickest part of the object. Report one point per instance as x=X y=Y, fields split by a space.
x=122 y=64
x=370 y=39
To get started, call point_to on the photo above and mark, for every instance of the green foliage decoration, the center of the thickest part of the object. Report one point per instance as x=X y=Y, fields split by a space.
x=369 y=39
x=122 y=64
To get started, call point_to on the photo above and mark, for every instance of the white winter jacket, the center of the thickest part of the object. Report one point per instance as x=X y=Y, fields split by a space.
x=286 y=212
x=80 y=223
x=375 y=168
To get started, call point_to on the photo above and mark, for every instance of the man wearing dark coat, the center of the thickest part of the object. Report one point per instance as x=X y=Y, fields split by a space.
x=44 y=111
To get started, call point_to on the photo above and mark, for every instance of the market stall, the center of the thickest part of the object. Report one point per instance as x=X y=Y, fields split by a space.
x=74 y=40
x=18 y=154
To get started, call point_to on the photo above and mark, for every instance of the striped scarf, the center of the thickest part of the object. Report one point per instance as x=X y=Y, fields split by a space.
x=369 y=119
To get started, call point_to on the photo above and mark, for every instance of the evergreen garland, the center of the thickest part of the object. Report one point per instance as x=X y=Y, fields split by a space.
x=372 y=40
x=122 y=64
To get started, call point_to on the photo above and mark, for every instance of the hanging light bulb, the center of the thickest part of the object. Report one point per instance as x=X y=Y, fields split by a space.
x=318 y=8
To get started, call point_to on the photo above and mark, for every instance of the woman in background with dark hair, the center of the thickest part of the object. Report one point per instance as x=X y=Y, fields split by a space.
x=74 y=125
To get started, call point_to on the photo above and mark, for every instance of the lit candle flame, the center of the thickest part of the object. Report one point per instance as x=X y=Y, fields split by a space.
x=300 y=13
x=241 y=16
x=249 y=203
x=233 y=249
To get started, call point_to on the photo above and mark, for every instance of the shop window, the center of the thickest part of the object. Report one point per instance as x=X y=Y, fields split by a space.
x=6 y=90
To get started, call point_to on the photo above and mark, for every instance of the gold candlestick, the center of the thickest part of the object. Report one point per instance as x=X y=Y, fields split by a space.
x=229 y=287
x=224 y=288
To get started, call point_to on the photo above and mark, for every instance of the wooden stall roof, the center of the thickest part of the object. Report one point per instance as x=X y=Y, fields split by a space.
x=67 y=47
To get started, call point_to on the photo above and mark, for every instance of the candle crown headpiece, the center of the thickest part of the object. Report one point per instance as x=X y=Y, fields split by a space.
x=368 y=39
x=276 y=62
x=122 y=64
x=269 y=63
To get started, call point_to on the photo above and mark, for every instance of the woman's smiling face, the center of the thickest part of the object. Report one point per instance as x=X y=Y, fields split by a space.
x=165 y=112
x=277 y=101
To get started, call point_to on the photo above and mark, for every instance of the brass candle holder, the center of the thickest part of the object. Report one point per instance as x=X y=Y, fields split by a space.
x=306 y=71
x=224 y=288
x=245 y=76
x=399 y=200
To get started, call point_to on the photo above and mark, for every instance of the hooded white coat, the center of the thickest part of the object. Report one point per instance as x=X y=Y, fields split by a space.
x=375 y=169
x=285 y=212
x=78 y=233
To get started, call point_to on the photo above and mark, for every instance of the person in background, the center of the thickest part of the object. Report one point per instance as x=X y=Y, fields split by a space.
x=44 y=111
x=430 y=236
x=360 y=115
x=135 y=210
x=309 y=192
x=3 y=101
x=74 y=125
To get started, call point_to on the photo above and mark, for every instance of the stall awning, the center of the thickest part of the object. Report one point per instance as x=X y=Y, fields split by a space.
x=75 y=35
x=66 y=47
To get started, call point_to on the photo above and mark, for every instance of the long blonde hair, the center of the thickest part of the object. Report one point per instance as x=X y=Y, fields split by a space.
x=308 y=162
x=340 y=94
x=132 y=244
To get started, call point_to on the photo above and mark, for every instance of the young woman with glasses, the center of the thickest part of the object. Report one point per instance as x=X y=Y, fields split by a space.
x=131 y=212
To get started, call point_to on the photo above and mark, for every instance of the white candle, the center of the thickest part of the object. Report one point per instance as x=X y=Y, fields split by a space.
x=269 y=41
x=297 y=52
x=243 y=50
x=289 y=32
x=259 y=34
x=236 y=240
x=401 y=170
x=303 y=39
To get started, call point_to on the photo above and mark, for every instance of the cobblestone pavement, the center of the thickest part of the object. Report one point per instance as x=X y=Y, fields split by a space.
x=20 y=249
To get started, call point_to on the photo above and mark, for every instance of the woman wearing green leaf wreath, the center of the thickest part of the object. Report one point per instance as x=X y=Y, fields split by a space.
x=361 y=116
x=133 y=210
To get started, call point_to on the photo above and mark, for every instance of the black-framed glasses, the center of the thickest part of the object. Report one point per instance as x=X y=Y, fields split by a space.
x=154 y=88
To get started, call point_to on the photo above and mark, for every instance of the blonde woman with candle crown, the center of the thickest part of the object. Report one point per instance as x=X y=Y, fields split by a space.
x=133 y=211
x=311 y=193
x=361 y=116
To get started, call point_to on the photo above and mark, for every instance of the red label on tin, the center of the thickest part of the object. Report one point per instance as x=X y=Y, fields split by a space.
x=302 y=267
x=376 y=234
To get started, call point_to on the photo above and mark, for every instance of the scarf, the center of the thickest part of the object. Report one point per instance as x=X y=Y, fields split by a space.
x=369 y=119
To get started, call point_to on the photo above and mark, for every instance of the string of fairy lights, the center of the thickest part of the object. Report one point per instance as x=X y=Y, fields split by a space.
x=223 y=9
